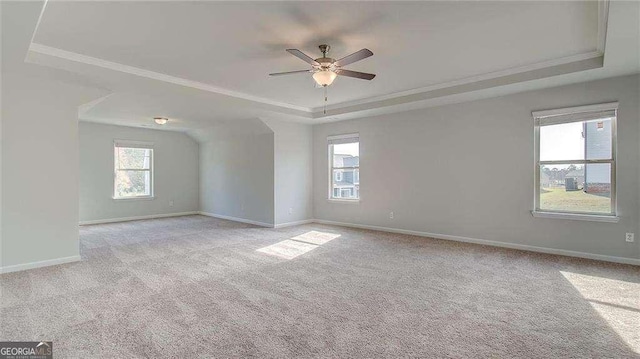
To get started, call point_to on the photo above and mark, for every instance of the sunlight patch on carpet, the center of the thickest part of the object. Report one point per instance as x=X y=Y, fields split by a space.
x=288 y=249
x=298 y=245
x=607 y=297
x=315 y=237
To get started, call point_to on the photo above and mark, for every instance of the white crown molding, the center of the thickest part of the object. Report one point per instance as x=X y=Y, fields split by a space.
x=498 y=78
x=493 y=79
x=94 y=61
x=35 y=30
x=603 y=19
x=575 y=59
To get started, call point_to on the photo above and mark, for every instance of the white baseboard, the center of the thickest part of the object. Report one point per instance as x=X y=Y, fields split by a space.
x=296 y=223
x=137 y=218
x=563 y=252
x=33 y=265
x=524 y=247
x=236 y=219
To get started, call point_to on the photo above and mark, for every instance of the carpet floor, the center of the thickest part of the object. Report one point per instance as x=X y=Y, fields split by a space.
x=201 y=287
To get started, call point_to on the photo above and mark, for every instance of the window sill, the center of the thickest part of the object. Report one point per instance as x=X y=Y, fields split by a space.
x=577 y=217
x=345 y=201
x=141 y=198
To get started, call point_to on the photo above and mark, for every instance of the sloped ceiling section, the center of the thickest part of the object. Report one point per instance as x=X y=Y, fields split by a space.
x=151 y=53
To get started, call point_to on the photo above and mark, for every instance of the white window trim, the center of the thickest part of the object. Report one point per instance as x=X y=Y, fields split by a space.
x=331 y=168
x=576 y=216
x=568 y=115
x=135 y=144
x=137 y=198
x=568 y=111
x=343 y=200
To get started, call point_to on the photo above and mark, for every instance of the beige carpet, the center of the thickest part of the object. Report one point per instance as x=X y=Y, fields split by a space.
x=201 y=287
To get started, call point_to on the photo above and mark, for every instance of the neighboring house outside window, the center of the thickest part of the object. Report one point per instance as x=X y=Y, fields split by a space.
x=575 y=162
x=344 y=163
x=133 y=170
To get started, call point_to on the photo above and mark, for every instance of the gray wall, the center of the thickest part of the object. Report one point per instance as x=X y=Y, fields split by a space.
x=39 y=171
x=237 y=171
x=293 y=171
x=39 y=148
x=467 y=170
x=175 y=171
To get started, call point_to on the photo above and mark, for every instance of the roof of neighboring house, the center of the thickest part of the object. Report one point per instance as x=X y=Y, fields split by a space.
x=575 y=173
x=343 y=184
x=347 y=160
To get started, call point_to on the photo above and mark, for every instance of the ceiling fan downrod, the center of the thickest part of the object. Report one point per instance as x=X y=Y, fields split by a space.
x=324 y=49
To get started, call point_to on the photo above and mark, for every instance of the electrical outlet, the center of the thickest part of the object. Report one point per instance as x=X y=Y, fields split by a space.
x=630 y=237
x=391 y=215
x=171 y=203
x=290 y=210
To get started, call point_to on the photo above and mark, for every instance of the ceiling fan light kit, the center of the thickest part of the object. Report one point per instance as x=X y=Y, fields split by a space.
x=325 y=69
x=324 y=77
x=161 y=120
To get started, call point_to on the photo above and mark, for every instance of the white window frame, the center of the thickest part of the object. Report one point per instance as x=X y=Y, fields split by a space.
x=569 y=115
x=134 y=144
x=333 y=140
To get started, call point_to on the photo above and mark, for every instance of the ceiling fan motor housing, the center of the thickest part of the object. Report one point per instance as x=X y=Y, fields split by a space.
x=326 y=63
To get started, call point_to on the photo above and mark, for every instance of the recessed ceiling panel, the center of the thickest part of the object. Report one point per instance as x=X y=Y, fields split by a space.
x=235 y=45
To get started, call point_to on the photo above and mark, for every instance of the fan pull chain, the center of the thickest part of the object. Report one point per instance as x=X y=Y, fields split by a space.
x=324 y=110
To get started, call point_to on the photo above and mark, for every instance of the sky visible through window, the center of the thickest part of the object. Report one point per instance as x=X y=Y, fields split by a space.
x=352 y=149
x=563 y=142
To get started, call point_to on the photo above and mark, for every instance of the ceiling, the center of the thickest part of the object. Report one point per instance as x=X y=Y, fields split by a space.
x=236 y=45
x=199 y=62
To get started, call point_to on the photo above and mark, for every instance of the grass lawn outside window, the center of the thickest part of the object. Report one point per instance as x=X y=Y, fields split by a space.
x=559 y=199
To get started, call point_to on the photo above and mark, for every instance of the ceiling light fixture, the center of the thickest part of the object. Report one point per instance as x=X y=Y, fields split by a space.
x=324 y=77
x=326 y=69
x=161 y=120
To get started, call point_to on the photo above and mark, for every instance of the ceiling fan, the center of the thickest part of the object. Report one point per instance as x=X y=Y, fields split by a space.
x=326 y=69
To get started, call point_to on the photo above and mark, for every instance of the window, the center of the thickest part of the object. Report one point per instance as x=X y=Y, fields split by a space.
x=133 y=172
x=344 y=167
x=575 y=161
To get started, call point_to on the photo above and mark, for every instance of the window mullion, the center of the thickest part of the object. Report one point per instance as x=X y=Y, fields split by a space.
x=574 y=162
